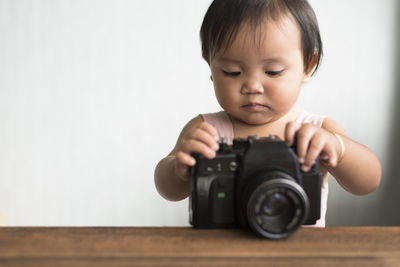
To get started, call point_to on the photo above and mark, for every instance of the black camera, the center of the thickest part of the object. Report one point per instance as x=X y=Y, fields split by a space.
x=257 y=183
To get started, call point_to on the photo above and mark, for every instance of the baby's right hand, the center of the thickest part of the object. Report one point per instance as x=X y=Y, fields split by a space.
x=202 y=139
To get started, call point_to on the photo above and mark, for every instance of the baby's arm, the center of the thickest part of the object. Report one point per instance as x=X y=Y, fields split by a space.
x=171 y=173
x=359 y=172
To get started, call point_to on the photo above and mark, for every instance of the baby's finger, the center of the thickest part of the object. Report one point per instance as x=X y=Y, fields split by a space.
x=331 y=156
x=210 y=129
x=324 y=158
x=185 y=159
x=182 y=161
x=303 y=141
x=315 y=148
x=290 y=132
x=202 y=136
x=195 y=146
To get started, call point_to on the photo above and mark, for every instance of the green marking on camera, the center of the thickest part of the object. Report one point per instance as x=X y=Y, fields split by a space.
x=221 y=195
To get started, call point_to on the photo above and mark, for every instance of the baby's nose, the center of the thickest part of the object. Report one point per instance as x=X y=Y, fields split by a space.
x=252 y=86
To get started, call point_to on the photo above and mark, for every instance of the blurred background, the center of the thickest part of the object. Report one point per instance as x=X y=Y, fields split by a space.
x=93 y=93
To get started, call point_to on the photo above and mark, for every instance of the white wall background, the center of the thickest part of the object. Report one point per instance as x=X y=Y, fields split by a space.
x=93 y=93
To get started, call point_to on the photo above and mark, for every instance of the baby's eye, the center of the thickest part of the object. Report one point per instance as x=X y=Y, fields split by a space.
x=274 y=73
x=231 y=74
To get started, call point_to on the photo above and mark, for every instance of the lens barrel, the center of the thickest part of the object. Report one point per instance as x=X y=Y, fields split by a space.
x=276 y=205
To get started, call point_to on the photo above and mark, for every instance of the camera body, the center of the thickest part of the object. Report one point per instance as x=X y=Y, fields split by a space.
x=257 y=183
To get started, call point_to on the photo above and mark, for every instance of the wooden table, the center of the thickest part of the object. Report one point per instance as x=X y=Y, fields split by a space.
x=108 y=246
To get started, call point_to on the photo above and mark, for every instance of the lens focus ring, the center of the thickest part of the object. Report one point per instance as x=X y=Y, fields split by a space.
x=277 y=207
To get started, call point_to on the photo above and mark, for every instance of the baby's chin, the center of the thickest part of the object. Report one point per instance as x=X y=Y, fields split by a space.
x=258 y=122
x=254 y=119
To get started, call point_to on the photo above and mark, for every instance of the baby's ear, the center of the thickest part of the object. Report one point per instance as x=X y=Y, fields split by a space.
x=311 y=67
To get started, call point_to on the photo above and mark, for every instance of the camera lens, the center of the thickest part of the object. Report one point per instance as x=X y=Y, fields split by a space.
x=277 y=206
x=275 y=210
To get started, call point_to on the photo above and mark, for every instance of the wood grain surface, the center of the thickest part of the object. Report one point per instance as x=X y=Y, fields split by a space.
x=120 y=246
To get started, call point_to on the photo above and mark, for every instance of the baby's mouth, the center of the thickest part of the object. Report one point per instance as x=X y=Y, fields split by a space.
x=255 y=106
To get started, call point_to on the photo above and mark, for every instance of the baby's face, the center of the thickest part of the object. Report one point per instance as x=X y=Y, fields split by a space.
x=258 y=78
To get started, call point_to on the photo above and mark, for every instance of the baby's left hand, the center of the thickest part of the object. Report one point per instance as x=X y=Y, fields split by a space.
x=312 y=142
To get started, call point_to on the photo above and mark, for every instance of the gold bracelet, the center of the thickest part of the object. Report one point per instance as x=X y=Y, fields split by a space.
x=342 y=148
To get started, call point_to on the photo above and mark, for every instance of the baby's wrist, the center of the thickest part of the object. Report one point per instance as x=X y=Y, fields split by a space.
x=341 y=149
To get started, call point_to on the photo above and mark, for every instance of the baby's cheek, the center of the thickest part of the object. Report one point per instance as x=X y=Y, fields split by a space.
x=286 y=96
x=279 y=99
x=225 y=95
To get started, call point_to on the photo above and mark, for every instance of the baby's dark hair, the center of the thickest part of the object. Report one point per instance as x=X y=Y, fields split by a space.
x=224 y=18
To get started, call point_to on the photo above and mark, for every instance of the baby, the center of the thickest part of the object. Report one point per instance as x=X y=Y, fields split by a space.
x=260 y=52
